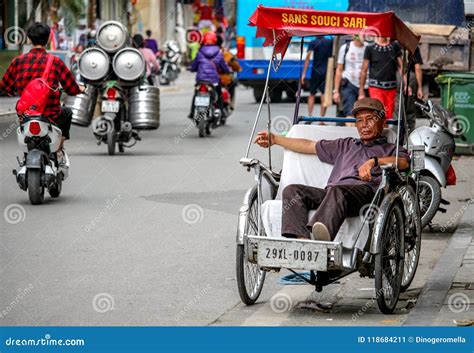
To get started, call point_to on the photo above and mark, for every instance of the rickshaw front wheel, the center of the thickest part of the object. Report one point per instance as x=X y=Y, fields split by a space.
x=412 y=235
x=250 y=277
x=389 y=260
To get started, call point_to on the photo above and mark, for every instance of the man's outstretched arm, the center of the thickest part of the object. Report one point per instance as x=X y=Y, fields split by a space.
x=293 y=144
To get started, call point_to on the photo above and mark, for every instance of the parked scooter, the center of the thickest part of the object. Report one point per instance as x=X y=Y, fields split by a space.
x=438 y=140
x=170 y=61
x=40 y=169
x=113 y=127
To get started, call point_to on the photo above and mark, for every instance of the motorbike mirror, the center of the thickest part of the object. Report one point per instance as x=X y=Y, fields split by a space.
x=421 y=104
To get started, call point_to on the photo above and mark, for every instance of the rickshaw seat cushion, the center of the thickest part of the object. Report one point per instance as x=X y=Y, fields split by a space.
x=307 y=169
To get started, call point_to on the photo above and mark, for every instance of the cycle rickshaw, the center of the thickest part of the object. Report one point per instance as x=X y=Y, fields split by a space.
x=384 y=243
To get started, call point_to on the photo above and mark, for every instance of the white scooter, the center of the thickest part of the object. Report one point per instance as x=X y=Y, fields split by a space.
x=170 y=62
x=438 y=141
x=40 y=169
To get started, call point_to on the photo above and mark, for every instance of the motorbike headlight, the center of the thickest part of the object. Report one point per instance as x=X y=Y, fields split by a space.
x=417 y=157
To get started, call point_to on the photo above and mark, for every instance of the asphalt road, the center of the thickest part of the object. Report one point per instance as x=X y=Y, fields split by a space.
x=148 y=237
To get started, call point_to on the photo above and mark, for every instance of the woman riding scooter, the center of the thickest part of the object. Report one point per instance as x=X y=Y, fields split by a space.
x=152 y=65
x=208 y=64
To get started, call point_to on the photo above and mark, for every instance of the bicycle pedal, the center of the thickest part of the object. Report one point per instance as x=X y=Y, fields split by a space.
x=445 y=202
x=442 y=210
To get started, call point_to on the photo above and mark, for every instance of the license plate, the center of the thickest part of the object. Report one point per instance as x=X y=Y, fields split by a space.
x=304 y=255
x=110 y=107
x=202 y=101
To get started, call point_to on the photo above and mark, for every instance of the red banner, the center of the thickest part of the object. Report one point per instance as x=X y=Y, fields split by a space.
x=278 y=25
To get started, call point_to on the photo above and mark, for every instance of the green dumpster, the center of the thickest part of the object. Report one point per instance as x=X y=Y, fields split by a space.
x=457 y=95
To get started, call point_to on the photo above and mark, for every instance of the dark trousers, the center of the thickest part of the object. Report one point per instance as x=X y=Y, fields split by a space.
x=332 y=206
x=63 y=121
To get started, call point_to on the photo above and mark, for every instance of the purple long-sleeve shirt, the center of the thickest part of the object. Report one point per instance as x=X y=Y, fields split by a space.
x=209 y=63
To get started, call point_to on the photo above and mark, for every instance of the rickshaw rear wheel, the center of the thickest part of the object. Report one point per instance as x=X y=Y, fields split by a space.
x=389 y=261
x=412 y=235
x=250 y=277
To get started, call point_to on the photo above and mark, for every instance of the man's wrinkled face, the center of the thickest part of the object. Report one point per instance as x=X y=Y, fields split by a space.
x=369 y=124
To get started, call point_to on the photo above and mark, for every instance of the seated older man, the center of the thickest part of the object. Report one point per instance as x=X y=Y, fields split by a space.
x=354 y=179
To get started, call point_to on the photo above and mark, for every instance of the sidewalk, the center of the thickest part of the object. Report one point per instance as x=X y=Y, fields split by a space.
x=447 y=299
x=7 y=107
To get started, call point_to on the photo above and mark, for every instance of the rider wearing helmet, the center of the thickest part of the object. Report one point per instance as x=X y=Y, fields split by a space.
x=208 y=64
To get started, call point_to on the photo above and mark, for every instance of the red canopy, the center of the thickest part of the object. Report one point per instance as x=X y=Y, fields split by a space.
x=284 y=23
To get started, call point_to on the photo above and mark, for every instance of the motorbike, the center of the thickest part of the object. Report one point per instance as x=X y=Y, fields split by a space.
x=439 y=145
x=113 y=127
x=207 y=113
x=41 y=168
x=170 y=61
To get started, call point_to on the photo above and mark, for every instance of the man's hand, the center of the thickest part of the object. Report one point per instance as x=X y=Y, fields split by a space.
x=82 y=88
x=365 y=169
x=293 y=144
x=419 y=93
x=361 y=94
x=336 y=97
x=264 y=140
x=302 y=80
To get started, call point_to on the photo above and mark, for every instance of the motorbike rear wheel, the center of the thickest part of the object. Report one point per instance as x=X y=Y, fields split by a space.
x=111 y=142
x=35 y=187
x=429 y=192
x=202 y=124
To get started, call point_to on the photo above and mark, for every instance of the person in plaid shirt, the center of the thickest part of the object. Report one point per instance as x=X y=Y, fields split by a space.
x=31 y=65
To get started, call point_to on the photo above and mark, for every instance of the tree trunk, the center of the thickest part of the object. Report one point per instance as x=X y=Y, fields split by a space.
x=44 y=11
x=91 y=12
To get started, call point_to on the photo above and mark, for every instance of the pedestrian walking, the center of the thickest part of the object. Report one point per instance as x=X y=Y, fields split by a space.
x=321 y=50
x=347 y=79
x=382 y=61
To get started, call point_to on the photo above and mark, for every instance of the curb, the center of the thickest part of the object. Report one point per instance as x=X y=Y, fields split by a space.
x=435 y=291
x=170 y=89
x=7 y=115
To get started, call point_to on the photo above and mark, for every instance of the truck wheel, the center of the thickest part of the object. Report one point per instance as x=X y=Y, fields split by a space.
x=291 y=92
x=275 y=95
x=258 y=93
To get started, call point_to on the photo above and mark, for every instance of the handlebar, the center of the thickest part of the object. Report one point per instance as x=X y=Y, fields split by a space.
x=422 y=105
